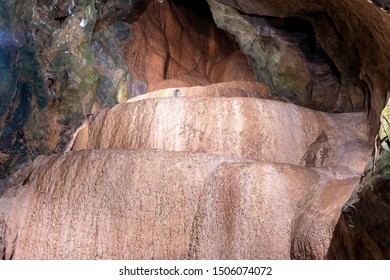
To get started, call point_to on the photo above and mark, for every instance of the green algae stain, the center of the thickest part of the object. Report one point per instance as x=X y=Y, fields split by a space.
x=384 y=131
x=23 y=92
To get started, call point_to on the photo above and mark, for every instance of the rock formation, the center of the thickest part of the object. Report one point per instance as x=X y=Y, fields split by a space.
x=113 y=178
x=175 y=137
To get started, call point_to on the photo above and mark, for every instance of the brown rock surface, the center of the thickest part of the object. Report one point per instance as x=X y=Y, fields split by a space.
x=146 y=204
x=228 y=89
x=216 y=170
x=105 y=205
x=362 y=231
x=107 y=202
x=177 y=54
x=248 y=128
x=268 y=211
x=61 y=60
x=314 y=226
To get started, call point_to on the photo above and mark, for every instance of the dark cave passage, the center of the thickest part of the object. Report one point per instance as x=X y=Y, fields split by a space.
x=200 y=7
x=190 y=50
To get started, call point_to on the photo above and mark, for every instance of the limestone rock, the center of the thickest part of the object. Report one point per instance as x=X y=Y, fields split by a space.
x=48 y=83
x=148 y=204
x=268 y=211
x=248 y=128
x=363 y=226
x=62 y=60
x=195 y=56
x=105 y=205
x=208 y=163
x=111 y=35
x=344 y=31
x=137 y=190
x=285 y=55
x=314 y=226
x=240 y=206
x=229 y=89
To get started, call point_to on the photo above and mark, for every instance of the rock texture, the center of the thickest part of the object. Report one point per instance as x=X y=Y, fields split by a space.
x=48 y=81
x=106 y=205
x=208 y=158
x=62 y=60
x=343 y=29
x=190 y=177
x=286 y=56
x=362 y=230
x=178 y=55
x=229 y=89
x=268 y=211
x=247 y=128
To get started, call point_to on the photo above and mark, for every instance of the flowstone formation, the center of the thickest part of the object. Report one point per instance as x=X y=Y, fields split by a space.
x=194 y=177
x=217 y=130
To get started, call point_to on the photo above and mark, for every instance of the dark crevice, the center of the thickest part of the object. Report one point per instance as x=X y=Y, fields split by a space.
x=291 y=28
x=291 y=24
x=330 y=21
x=199 y=7
x=384 y=4
x=367 y=97
x=166 y=62
x=61 y=19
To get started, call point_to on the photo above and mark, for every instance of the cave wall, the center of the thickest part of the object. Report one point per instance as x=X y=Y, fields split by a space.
x=48 y=81
x=62 y=60
x=354 y=35
x=363 y=227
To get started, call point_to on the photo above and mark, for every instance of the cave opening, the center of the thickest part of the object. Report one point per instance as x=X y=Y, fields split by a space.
x=186 y=49
x=200 y=7
x=193 y=51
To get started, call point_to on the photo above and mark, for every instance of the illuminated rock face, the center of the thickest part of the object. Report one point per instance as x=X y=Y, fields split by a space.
x=190 y=177
x=208 y=158
x=62 y=60
x=247 y=128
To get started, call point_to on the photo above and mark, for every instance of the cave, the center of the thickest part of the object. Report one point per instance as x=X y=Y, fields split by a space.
x=295 y=39
x=212 y=129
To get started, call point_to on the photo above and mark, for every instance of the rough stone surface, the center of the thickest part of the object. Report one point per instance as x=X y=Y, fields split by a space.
x=178 y=54
x=62 y=60
x=112 y=33
x=247 y=128
x=243 y=175
x=363 y=226
x=286 y=56
x=350 y=32
x=47 y=81
x=106 y=205
x=229 y=89
x=268 y=211
x=170 y=205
